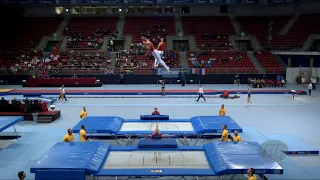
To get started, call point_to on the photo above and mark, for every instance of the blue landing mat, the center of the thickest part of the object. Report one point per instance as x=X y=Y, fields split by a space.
x=296 y=146
x=7 y=121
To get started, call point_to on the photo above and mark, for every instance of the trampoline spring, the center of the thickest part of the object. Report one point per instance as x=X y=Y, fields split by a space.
x=156 y=159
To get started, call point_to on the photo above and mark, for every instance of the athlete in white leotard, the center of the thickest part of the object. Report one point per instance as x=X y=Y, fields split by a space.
x=155 y=53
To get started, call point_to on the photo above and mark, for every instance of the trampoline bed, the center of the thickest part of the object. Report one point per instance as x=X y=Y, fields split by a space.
x=74 y=160
x=131 y=129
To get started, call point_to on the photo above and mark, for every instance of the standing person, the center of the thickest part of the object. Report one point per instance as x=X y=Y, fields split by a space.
x=314 y=82
x=163 y=92
x=155 y=53
x=69 y=137
x=201 y=93
x=310 y=88
x=249 y=97
x=222 y=111
x=83 y=134
x=63 y=93
x=21 y=175
x=251 y=175
x=83 y=113
x=225 y=134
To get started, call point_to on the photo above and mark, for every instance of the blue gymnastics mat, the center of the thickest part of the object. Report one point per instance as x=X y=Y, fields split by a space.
x=8 y=121
x=198 y=124
x=296 y=146
x=70 y=160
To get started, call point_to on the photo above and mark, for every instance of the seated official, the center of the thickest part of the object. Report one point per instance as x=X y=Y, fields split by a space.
x=14 y=101
x=236 y=137
x=155 y=112
x=83 y=113
x=35 y=107
x=225 y=134
x=3 y=101
x=69 y=137
x=156 y=134
x=222 y=111
x=83 y=134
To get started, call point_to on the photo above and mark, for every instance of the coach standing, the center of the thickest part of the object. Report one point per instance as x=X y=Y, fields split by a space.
x=201 y=93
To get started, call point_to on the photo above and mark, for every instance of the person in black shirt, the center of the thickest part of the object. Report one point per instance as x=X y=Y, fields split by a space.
x=163 y=93
x=36 y=105
x=21 y=175
x=15 y=101
x=3 y=101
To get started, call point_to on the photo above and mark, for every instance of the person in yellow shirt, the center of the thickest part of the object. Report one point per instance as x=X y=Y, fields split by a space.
x=225 y=134
x=250 y=174
x=83 y=134
x=236 y=137
x=83 y=113
x=69 y=137
x=222 y=111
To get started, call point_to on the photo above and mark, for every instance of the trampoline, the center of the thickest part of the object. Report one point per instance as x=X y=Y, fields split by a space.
x=73 y=161
x=132 y=129
x=8 y=121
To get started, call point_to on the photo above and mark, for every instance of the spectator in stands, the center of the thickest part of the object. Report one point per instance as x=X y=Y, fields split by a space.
x=156 y=134
x=69 y=137
x=155 y=111
x=225 y=134
x=222 y=111
x=22 y=175
x=236 y=137
x=251 y=172
x=83 y=113
x=3 y=101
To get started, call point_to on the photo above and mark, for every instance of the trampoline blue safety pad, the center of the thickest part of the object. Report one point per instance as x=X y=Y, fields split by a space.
x=100 y=159
x=119 y=126
x=87 y=156
x=8 y=121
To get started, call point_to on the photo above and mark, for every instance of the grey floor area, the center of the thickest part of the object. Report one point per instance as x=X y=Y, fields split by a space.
x=269 y=114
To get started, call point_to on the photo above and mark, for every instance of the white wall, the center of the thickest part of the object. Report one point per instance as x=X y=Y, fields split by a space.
x=292 y=73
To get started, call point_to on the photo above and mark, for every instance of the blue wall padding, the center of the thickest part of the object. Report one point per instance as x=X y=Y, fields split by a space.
x=154 y=117
x=213 y=124
x=60 y=175
x=237 y=158
x=100 y=124
x=88 y=156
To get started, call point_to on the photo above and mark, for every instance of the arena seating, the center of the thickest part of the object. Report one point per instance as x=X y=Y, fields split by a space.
x=86 y=26
x=298 y=34
x=268 y=61
x=134 y=26
x=32 y=30
x=217 y=26
x=241 y=65
x=259 y=26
